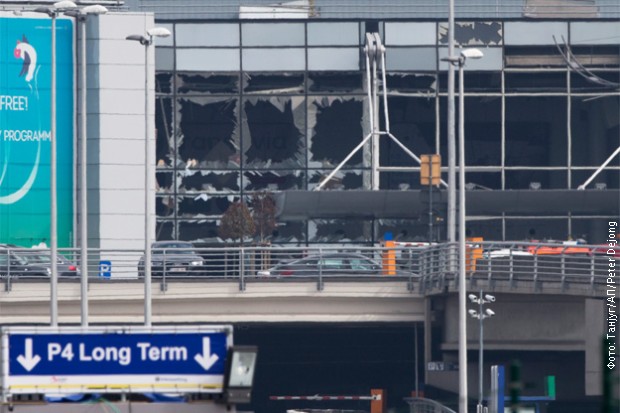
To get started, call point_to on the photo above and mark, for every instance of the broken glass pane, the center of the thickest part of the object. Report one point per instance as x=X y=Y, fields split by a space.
x=289 y=232
x=203 y=205
x=208 y=181
x=276 y=180
x=473 y=33
x=400 y=82
x=164 y=151
x=164 y=230
x=343 y=179
x=536 y=131
x=338 y=230
x=273 y=83
x=165 y=181
x=165 y=205
x=208 y=136
x=335 y=126
x=412 y=123
x=335 y=82
x=273 y=134
x=207 y=83
x=199 y=231
x=163 y=83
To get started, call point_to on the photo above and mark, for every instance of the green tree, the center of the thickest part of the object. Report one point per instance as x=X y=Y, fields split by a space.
x=237 y=223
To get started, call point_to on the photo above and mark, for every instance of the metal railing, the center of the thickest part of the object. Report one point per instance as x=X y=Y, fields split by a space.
x=425 y=268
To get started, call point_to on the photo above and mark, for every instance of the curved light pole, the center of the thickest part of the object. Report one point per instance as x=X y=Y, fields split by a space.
x=481 y=315
x=53 y=13
x=460 y=62
x=146 y=41
x=81 y=16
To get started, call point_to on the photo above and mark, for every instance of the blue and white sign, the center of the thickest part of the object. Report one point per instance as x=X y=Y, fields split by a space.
x=71 y=360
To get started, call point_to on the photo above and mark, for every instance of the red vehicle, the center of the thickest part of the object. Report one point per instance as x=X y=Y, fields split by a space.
x=605 y=249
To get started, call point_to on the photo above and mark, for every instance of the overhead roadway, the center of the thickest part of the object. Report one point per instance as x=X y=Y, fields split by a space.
x=297 y=205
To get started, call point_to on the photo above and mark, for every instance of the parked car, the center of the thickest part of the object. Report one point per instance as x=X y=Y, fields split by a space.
x=173 y=258
x=330 y=264
x=23 y=262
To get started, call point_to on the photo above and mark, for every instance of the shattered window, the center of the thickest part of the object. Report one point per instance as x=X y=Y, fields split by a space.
x=335 y=125
x=277 y=180
x=207 y=83
x=273 y=134
x=203 y=230
x=164 y=230
x=412 y=122
x=192 y=180
x=164 y=181
x=536 y=132
x=203 y=205
x=473 y=33
x=164 y=151
x=401 y=82
x=289 y=232
x=209 y=136
x=339 y=230
x=330 y=82
x=341 y=180
x=273 y=83
x=163 y=83
x=165 y=205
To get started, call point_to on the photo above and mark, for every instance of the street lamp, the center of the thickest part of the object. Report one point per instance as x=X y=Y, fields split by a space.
x=146 y=41
x=80 y=16
x=53 y=12
x=481 y=315
x=460 y=62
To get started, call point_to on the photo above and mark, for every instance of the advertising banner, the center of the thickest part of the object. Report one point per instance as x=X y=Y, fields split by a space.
x=25 y=123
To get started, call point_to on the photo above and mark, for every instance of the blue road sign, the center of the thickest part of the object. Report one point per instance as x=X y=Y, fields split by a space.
x=105 y=269
x=68 y=360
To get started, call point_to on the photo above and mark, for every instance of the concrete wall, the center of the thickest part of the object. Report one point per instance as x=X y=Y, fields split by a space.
x=116 y=129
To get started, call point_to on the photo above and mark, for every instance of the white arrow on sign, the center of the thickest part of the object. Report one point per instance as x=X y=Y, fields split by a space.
x=28 y=361
x=206 y=359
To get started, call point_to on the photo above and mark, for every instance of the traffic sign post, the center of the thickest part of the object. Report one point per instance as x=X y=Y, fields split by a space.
x=114 y=359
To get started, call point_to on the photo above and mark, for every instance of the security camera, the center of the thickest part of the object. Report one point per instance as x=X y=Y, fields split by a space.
x=473 y=297
x=489 y=312
x=490 y=298
x=473 y=313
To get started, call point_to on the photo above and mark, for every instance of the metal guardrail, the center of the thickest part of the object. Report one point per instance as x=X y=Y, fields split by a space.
x=424 y=267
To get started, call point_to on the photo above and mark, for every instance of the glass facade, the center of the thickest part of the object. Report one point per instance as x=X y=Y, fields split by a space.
x=251 y=106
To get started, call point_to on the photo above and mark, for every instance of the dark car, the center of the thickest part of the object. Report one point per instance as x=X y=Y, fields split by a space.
x=331 y=264
x=18 y=261
x=173 y=258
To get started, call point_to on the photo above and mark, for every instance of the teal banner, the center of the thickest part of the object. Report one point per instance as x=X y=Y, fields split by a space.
x=25 y=126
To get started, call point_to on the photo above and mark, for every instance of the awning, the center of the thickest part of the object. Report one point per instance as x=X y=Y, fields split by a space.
x=295 y=205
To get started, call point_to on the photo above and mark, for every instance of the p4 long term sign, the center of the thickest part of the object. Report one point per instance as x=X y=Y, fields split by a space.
x=114 y=359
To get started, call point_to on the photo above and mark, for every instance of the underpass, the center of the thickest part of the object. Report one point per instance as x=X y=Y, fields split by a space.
x=549 y=314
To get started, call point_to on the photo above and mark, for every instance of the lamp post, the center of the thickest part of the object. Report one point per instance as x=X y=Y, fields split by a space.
x=481 y=315
x=53 y=13
x=80 y=16
x=460 y=62
x=146 y=41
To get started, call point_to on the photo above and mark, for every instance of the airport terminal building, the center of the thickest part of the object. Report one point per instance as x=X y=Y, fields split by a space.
x=252 y=96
